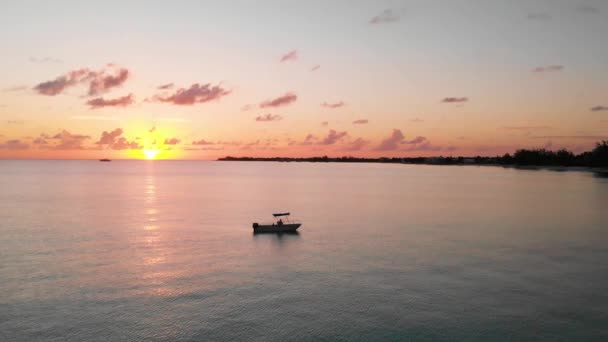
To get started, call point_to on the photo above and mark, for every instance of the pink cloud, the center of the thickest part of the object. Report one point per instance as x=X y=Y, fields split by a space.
x=58 y=85
x=268 y=117
x=357 y=144
x=549 y=68
x=455 y=99
x=290 y=56
x=333 y=137
x=14 y=144
x=202 y=142
x=99 y=81
x=392 y=142
x=247 y=107
x=108 y=138
x=172 y=141
x=332 y=105
x=165 y=86
x=324 y=123
x=69 y=141
x=102 y=81
x=360 y=122
x=100 y=102
x=195 y=94
x=115 y=141
x=283 y=100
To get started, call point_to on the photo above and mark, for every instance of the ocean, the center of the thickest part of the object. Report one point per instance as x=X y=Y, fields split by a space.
x=164 y=251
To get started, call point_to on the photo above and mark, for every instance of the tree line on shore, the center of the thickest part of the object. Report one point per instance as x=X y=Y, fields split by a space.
x=597 y=157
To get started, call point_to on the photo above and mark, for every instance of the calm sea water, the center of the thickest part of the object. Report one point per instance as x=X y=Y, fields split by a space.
x=156 y=251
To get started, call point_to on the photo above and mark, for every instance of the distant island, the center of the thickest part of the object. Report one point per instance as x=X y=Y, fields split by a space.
x=598 y=157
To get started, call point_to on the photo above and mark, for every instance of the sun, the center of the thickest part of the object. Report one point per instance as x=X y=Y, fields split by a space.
x=150 y=154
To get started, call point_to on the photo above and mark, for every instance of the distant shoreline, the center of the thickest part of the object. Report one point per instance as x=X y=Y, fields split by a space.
x=442 y=161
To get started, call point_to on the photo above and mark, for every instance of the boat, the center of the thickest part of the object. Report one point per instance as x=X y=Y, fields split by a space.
x=105 y=160
x=282 y=224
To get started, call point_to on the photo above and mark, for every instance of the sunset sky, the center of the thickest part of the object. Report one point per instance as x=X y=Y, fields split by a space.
x=206 y=79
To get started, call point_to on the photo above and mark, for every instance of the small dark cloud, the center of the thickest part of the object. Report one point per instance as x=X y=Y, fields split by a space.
x=548 y=68
x=197 y=93
x=455 y=99
x=107 y=79
x=332 y=105
x=14 y=144
x=333 y=137
x=100 y=102
x=15 y=89
x=392 y=142
x=290 y=56
x=387 y=16
x=324 y=123
x=360 y=122
x=268 y=117
x=202 y=142
x=283 y=100
x=165 y=86
x=172 y=141
x=599 y=108
x=108 y=138
x=315 y=68
x=99 y=81
x=123 y=144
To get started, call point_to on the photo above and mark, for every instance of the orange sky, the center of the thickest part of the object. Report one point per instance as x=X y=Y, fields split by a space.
x=393 y=78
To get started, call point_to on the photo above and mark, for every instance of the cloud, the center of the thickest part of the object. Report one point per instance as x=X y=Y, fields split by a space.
x=108 y=138
x=268 y=117
x=290 y=56
x=202 y=142
x=100 y=102
x=455 y=99
x=416 y=140
x=59 y=84
x=315 y=68
x=172 y=141
x=99 y=81
x=115 y=141
x=152 y=130
x=416 y=120
x=69 y=141
x=283 y=100
x=15 y=122
x=599 y=108
x=387 y=16
x=357 y=144
x=548 y=68
x=332 y=105
x=195 y=94
x=392 y=142
x=309 y=140
x=540 y=16
x=360 y=122
x=15 y=144
x=103 y=82
x=333 y=137
x=324 y=123
x=123 y=144
x=165 y=86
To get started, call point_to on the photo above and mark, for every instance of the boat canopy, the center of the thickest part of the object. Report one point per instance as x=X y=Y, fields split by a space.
x=280 y=214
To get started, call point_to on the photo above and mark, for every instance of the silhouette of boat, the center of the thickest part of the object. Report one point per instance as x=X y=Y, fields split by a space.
x=105 y=160
x=278 y=226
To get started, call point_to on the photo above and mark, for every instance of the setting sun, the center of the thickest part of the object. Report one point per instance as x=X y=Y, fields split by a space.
x=150 y=154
